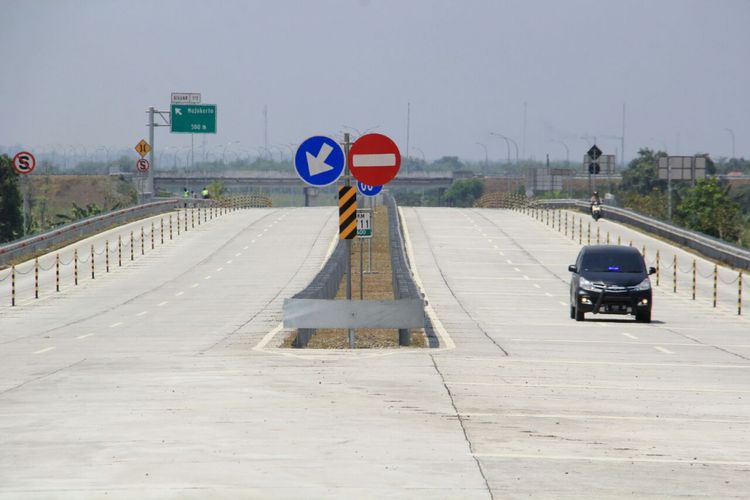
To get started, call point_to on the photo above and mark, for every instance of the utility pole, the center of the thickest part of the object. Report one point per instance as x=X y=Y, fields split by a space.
x=265 y=127
x=523 y=143
x=408 y=126
x=148 y=192
x=622 y=140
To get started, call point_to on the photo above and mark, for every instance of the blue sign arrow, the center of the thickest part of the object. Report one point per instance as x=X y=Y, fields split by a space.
x=367 y=190
x=319 y=161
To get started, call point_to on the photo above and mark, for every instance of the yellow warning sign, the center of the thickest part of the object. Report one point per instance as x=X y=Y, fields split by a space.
x=143 y=148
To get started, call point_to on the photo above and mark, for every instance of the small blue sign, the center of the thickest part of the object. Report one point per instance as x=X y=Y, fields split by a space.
x=368 y=190
x=319 y=161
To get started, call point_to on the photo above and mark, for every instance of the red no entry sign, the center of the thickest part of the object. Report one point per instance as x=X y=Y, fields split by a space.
x=24 y=162
x=374 y=159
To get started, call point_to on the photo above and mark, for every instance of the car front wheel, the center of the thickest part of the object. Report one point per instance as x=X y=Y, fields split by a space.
x=643 y=316
x=579 y=314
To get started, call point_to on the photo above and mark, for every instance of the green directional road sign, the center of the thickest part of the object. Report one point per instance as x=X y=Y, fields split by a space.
x=194 y=118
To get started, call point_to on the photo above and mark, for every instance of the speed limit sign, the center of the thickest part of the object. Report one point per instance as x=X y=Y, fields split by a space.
x=142 y=165
x=24 y=163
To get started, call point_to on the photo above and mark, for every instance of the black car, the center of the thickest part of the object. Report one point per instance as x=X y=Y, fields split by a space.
x=610 y=279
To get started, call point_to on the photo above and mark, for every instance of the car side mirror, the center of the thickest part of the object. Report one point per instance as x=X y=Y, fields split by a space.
x=572 y=268
x=651 y=270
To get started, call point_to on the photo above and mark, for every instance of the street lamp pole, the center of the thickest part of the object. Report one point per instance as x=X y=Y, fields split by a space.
x=507 y=142
x=486 y=158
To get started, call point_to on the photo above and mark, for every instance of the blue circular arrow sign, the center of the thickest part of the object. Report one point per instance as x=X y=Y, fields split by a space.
x=367 y=190
x=319 y=161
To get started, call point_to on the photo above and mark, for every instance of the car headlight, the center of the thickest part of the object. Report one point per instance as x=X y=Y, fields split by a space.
x=586 y=285
x=643 y=286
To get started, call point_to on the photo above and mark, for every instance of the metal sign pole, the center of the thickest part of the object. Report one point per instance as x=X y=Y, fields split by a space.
x=150 y=175
x=669 y=191
x=361 y=270
x=351 y=334
x=369 y=241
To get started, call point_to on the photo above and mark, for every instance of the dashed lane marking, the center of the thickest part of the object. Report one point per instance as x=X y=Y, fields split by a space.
x=42 y=351
x=628 y=335
x=562 y=303
x=509 y=261
x=220 y=269
x=661 y=349
x=207 y=277
x=115 y=325
x=246 y=247
x=625 y=459
x=537 y=285
x=142 y=313
x=178 y=294
x=81 y=337
x=517 y=270
x=160 y=304
x=229 y=261
x=548 y=294
x=195 y=285
x=238 y=254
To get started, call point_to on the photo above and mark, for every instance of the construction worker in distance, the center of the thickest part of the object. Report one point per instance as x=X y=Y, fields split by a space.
x=185 y=196
x=204 y=193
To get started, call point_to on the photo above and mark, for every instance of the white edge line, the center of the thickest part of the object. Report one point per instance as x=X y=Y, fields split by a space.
x=445 y=338
x=42 y=351
x=268 y=337
x=80 y=337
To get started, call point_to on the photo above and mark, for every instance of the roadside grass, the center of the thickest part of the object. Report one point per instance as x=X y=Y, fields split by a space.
x=377 y=286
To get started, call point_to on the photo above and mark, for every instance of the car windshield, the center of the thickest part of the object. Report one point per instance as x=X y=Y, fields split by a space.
x=613 y=262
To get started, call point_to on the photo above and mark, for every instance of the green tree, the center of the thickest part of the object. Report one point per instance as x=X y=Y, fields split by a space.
x=11 y=219
x=707 y=207
x=642 y=175
x=464 y=193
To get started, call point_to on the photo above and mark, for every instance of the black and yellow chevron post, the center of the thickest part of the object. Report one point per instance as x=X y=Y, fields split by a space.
x=347 y=212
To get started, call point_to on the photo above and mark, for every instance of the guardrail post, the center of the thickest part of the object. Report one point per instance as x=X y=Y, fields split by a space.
x=143 y=242
x=132 y=245
x=566 y=223
x=547 y=214
x=657 y=268
x=693 y=279
x=36 y=277
x=205 y=214
x=106 y=255
x=92 y=262
x=739 y=294
x=404 y=337
x=716 y=281
x=13 y=285
x=186 y=224
x=597 y=235
x=559 y=221
x=619 y=241
x=161 y=230
x=580 y=231
x=588 y=235
x=152 y=235
x=192 y=217
x=674 y=274
x=119 y=250
x=75 y=267
x=57 y=272
x=170 y=226
x=607 y=237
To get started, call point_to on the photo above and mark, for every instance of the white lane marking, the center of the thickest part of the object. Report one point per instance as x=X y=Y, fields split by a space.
x=246 y=247
x=548 y=294
x=601 y=387
x=207 y=277
x=252 y=241
x=509 y=261
x=160 y=304
x=661 y=349
x=142 y=313
x=502 y=254
x=195 y=285
x=610 y=363
x=374 y=160
x=84 y=336
x=525 y=277
x=537 y=285
x=573 y=416
x=261 y=234
x=516 y=269
x=41 y=351
x=220 y=269
x=579 y=458
x=178 y=294
x=115 y=325
x=238 y=254
x=628 y=335
x=229 y=261
x=563 y=303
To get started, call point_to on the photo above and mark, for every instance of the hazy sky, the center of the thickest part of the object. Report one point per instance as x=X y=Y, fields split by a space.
x=84 y=72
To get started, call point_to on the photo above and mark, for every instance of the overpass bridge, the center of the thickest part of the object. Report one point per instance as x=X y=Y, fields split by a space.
x=163 y=377
x=242 y=181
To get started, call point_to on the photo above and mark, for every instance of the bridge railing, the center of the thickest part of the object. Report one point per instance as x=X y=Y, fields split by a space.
x=69 y=233
x=713 y=248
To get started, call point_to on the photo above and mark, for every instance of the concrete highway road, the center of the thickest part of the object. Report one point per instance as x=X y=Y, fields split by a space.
x=555 y=408
x=162 y=380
